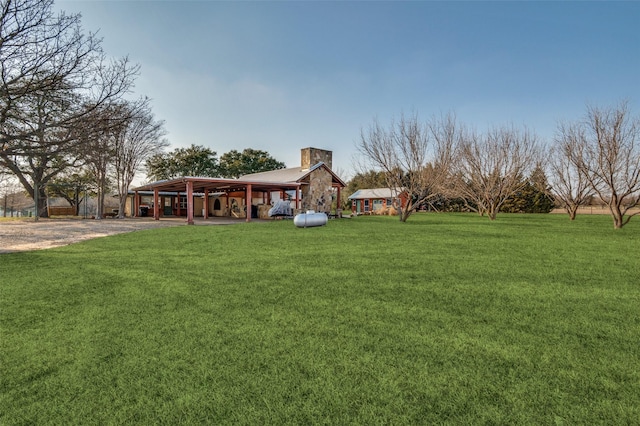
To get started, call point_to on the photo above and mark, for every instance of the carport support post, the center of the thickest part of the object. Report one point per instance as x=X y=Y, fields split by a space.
x=249 y=203
x=206 y=204
x=189 y=203
x=136 y=204
x=156 y=204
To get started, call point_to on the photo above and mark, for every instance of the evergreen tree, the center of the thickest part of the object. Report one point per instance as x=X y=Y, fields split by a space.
x=534 y=197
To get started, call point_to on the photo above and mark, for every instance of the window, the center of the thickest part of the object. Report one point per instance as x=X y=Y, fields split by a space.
x=183 y=202
x=366 y=205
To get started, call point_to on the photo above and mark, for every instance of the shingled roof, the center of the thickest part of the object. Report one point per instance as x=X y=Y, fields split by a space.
x=292 y=174
x=374 y=193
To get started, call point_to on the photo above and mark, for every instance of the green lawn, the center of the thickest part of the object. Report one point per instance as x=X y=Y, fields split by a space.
x=447 y=319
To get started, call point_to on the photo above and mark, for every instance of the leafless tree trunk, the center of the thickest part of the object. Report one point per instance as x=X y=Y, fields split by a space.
x=413 y=156
x=568 y=180
x=610 y=159
x=491 y=168
x=100 y=147
x=140 y=137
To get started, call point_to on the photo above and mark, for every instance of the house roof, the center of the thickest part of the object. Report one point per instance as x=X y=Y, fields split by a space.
x=200 y=184
x=363 y=194
x=292 y=174
x=275 y=180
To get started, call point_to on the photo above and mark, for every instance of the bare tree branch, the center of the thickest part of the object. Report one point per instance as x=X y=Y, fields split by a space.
x=413 y=156
x=568 y=180
x=610 y=158
x=490 y=168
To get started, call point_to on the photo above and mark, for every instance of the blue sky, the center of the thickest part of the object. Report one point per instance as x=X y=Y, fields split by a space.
x=281 y=76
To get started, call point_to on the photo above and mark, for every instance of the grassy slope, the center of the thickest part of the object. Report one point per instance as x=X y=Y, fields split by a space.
x=447 y=318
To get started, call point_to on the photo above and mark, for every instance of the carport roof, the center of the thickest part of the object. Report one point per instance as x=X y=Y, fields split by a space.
x=201 y=184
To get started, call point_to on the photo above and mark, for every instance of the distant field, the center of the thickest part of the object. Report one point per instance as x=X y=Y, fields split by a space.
x=593 y=210
x=447 y=319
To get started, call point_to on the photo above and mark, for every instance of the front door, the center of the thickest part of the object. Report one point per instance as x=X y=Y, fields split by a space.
x=168 y=209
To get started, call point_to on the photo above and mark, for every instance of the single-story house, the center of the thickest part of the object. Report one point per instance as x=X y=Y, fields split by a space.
x=308 y=187
x=366 y=201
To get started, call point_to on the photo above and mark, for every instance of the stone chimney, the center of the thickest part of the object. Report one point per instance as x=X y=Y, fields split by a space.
x=311 y=156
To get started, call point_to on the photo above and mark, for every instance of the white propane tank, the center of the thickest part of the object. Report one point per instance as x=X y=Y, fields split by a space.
x=310 y=218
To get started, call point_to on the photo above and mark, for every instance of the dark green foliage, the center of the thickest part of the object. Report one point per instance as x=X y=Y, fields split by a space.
x=202 y=162
x=234 y=164
x=193 y=161
x=445 y=319
x=444 y=204
x=533 y=197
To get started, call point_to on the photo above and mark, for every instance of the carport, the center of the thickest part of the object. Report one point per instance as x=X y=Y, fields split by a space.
x=207 y=186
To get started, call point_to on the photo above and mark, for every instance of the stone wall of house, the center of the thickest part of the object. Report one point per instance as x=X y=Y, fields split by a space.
x=317 y=195
x=312 y=156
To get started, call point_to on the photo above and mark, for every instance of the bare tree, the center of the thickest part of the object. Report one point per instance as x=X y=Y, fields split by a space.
x=490 y=168
x=413 y=156
x=139 y=138
x=99 y=148
x=45 y=153
x=568 y=180
x=610 y=159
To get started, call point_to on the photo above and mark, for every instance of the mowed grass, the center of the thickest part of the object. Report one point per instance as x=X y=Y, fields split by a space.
x=447 y=319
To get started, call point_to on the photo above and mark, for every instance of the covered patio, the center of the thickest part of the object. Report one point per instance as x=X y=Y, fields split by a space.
x=205 y=187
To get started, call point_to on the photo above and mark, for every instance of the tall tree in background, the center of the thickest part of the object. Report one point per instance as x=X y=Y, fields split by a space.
x=52 y=76
x=193 y=161
x=104 y=125
x=234 y=164
x=490 y=167
x=569 y=181
x=610 y=159
x=366 y=180
x=533 y=197
x=139 y=138
x=542 y=200
x=414 y=157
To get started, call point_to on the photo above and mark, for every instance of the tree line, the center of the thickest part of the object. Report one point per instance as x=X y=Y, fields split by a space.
x=446 y=164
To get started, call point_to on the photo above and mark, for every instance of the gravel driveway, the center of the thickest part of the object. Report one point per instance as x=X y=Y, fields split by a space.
x=23 y=235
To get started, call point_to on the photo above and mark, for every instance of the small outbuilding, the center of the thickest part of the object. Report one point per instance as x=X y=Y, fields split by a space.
x=368 y=201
